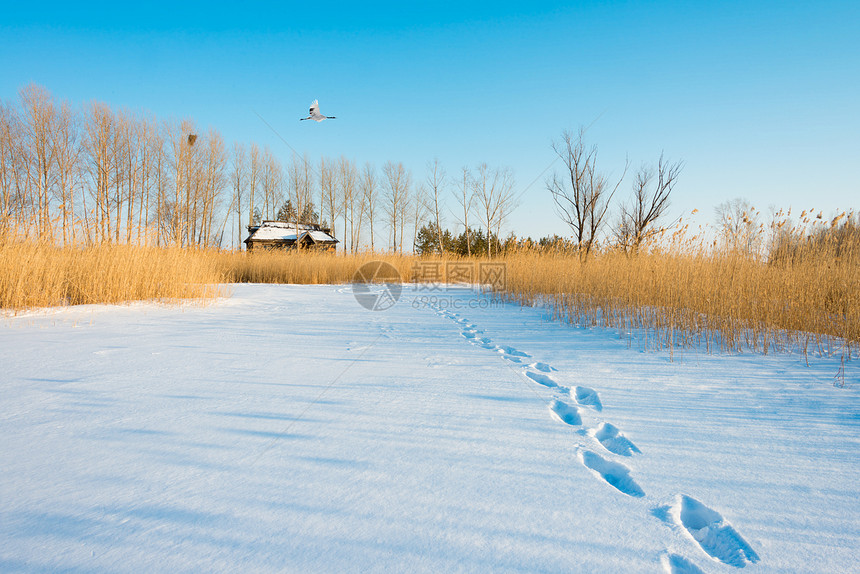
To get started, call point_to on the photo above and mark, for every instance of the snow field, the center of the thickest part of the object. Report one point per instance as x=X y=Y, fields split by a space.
x=289 y=429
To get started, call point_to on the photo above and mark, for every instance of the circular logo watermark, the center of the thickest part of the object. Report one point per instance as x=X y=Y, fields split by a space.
x=377 y=285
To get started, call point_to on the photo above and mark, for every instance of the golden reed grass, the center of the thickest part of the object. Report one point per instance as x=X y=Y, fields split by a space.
x=725 y=301
x=806 y=298
x=800 y=292
x=37 y=274
x=303 y=267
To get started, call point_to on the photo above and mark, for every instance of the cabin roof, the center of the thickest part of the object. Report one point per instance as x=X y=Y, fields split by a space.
x=286 y=231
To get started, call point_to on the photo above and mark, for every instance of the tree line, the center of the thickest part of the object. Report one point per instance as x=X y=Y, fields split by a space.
x=90 y=174
x=93 y=175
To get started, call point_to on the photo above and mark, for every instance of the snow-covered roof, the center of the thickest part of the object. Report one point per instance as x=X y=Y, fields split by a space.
x=286 y=231
x=319 y=236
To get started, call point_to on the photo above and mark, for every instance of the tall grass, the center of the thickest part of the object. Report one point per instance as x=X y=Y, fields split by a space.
x=304 y=267
x=802 y=292
x=38 y=274
x=725 y=301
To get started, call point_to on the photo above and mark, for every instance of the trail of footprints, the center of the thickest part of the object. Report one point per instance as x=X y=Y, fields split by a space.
x=704 y=525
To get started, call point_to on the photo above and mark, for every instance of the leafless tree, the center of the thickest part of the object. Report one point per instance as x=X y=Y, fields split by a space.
x=100 y=133
x=161 y=172
x=8 y=175
x=465 y=195
x=271 y=180
x=352 y=201
x=651 y=192
x=493 y=189
x=739 y=225
x=68 y=150
x=420 y=208
x=329 y=199
x=150 y=141
x=436 y=182
x=14 y=190
x=40 y=153
x=582 y=197
x=254 y=168
x=53 y=160
x=213 y=184
x=369 y=186
x=238 y=182
x=183 y=168
x=131 y=169
x=397 y=184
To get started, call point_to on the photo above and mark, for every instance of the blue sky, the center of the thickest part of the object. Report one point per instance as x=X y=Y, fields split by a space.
x=759 y=99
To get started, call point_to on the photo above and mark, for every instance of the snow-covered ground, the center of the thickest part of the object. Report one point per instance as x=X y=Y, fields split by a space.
x=288 y=429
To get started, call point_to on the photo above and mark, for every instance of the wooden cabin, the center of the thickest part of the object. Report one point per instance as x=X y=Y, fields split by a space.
x=289 y=235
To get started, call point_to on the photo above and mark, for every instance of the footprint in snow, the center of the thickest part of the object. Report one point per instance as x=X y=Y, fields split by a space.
x=588 y=397
x=511 y=351
x=543 y=367
x=715 y=536
x=674 y=564
x=512 y=359
x=469 y=334
x=541 y=379
x=616 y=474
x=612 y=440
x=568 y=414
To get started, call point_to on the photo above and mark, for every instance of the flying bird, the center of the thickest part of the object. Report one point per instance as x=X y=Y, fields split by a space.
x=315 y=113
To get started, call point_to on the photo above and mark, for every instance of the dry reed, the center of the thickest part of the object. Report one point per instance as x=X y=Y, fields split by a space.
x=37 y=274
x=804 y=295
x=807 y=298
x=303 y=267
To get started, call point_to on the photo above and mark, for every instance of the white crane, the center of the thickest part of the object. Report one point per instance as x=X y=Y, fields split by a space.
x=315 y=113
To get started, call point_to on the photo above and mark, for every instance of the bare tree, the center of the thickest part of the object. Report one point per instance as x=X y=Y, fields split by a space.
x=397 y=183
x=253 y=181
x=68 y=167
x=650 y=201
x=271 y=179
x=582 y=198
x=9 y=181
x=300 y=178
x=436 y=182
x=100 y=133
x=465 y=195
x=54 y=159
x=738 y=224
x=350 y=200
x=238 y=181
x=213 y=184
x=40 y=163
x=130 y=160
x=161 y=169
x=150 y=141
x=420 y=209
x=183 y=168
x=329 y=200
x=493 y=189
x=369 y=185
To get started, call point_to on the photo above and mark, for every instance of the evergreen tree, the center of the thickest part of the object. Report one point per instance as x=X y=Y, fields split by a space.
x=286 y=212
x=425 y=241
x=309 y=214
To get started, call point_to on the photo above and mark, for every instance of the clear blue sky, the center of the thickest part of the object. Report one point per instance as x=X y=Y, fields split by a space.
x=759 y=99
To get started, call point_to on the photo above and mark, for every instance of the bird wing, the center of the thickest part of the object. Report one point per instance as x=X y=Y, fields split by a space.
x=315 y=107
